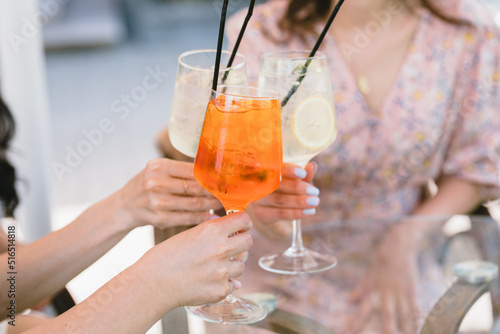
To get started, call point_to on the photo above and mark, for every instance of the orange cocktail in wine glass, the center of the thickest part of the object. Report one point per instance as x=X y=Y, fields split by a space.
x=239 y=161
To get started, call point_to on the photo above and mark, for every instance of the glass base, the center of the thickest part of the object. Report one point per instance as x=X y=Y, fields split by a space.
x=297 y=261
x=232 y=311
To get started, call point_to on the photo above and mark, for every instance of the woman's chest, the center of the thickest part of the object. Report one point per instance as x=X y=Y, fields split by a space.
x=412 y=128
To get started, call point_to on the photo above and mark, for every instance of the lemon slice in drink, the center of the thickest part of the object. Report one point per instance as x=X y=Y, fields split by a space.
x=313 y=123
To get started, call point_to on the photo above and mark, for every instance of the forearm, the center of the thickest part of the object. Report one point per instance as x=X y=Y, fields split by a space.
x=191 y=268
x=45 y=266
x=455 y=196
x=129 y=303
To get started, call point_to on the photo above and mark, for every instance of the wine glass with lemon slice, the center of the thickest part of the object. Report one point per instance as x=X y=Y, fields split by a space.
x=309 y=127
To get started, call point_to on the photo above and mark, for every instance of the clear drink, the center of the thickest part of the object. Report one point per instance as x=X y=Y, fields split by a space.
x=280 y=71
x=192 y=92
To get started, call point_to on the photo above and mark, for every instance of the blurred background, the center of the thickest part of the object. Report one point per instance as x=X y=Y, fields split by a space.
x=98 y=54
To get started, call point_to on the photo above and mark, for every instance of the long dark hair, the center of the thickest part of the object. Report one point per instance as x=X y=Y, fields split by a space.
x=8 y=193
x=301 y=17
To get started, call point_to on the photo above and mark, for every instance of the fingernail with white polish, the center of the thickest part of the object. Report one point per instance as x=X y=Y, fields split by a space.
x=313 y=191
x=299 y=172
x=309 y=212
x=312 y=201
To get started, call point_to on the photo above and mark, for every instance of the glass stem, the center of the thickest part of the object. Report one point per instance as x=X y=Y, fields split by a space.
x=231 y=298
x=297 y=248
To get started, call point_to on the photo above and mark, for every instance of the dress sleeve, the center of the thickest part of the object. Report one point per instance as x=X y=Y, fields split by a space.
x=474 y=149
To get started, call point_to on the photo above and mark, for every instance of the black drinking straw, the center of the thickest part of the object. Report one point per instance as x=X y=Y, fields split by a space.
x=240 y=37
x=219 y=44
x=313 y=52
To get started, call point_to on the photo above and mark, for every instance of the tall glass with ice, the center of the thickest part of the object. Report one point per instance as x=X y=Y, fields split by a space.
x=192 y=93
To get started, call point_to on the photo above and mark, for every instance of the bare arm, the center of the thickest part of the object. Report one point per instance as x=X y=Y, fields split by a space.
x=155 y=196
x=45 y=266
x=191 y=268
x=395 y=286
x=455 y=196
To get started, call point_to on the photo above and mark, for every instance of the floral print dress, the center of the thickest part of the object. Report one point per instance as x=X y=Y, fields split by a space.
x=440 y=118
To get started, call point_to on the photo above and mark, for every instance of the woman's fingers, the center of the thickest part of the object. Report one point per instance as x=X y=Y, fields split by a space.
x=311 y=169
x=235 y=268
x=182 y=203
x=297 y=187
x=239 y=243
x=186 y=187
x=160 y=172
x=163 y=184
x=294 y=199
x=363 y=315
x=292 y=171
x=364 y=288
x=280 y=200
x=231 y=231
x=236 y=283
x=407 y=308
x=200 y=260
x=395 y=302
x=172 y=218
x=415 y=314
x=177 y=169
x=233 y=223
x=388 y=308
x=363 y=295
x=241 y=256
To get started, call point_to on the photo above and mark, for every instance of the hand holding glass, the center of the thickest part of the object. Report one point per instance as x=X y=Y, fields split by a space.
x=309 y=127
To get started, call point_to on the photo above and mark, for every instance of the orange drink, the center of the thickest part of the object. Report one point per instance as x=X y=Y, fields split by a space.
x=239 y=160
x=239 y=157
